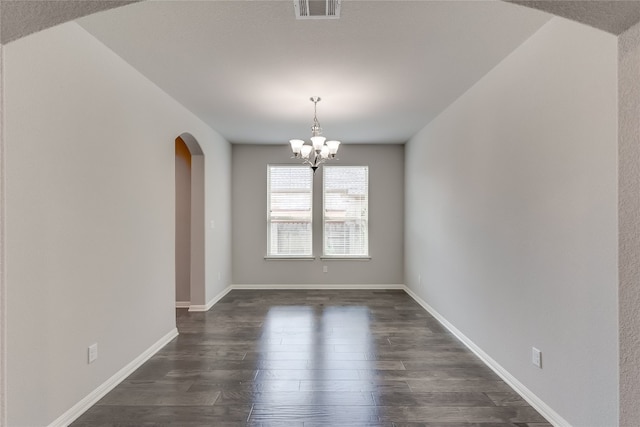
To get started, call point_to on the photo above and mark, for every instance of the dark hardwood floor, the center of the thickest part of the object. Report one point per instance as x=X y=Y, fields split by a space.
x=312 y=358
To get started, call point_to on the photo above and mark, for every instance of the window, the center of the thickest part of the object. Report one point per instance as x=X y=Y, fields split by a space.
x=346 y=211
x=289 y=215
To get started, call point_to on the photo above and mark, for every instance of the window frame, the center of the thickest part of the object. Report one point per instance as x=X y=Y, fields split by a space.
x=274 y=256
x=325 y=255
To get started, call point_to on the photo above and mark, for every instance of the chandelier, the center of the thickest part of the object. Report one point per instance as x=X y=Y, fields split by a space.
x=319 y=151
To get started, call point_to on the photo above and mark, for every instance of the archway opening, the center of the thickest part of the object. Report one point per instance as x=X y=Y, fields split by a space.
x=189 y=226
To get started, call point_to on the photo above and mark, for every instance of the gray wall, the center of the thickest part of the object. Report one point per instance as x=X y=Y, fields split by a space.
x=386 y=212
x=511 y=227
x=91 y=217
x=629 y=224
x=3 y=299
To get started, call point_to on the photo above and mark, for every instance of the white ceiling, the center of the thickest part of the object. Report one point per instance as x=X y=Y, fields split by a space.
x=247 y=68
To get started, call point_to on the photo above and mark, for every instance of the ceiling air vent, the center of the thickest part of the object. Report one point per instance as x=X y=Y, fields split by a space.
x=317 y=9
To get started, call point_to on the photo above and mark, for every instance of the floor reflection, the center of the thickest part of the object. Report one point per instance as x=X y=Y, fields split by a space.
x=312 y=358
x=333 y=342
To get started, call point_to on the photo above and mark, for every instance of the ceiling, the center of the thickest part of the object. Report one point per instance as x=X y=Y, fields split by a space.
x=247 y=68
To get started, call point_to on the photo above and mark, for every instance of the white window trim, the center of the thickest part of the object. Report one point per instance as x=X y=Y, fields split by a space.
x=324 y=256
x=269 y=256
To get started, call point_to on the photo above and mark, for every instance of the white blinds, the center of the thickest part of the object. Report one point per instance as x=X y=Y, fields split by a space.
x=289 y=215
x=346 y=210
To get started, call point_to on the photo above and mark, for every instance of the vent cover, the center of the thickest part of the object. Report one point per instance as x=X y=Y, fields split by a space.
x=317 y=9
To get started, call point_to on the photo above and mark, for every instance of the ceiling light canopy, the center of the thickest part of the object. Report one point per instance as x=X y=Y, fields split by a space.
x=320 y=149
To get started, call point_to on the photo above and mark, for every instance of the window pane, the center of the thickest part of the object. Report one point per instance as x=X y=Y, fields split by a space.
x=346 y=206
x=289 y=213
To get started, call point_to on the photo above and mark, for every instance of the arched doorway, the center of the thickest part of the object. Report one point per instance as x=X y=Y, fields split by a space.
x=189 y=228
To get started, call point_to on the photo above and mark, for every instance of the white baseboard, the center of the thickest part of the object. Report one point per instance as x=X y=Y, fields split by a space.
x=537 y=403
x=317 y=286
x=97 y=394
x=211 y=302
x=183 y=304
x=552 y=416
x=207 y=306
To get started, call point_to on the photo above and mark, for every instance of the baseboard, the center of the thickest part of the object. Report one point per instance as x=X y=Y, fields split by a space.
x=208 y=305
x=183 y=304
x=97 y=394
x=552 y=416
x=318 y=286
x=537 y=403
x=225 y=291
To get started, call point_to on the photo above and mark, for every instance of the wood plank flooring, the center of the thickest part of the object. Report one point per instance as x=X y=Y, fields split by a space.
x=312 y=358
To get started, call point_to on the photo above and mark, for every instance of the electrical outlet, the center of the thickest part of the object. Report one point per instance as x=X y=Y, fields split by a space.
x=536 y=357
x=325 y=269
x=93 y=352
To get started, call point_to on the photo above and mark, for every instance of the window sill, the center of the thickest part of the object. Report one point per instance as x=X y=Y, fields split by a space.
x=346 y=258
x=289 y=258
